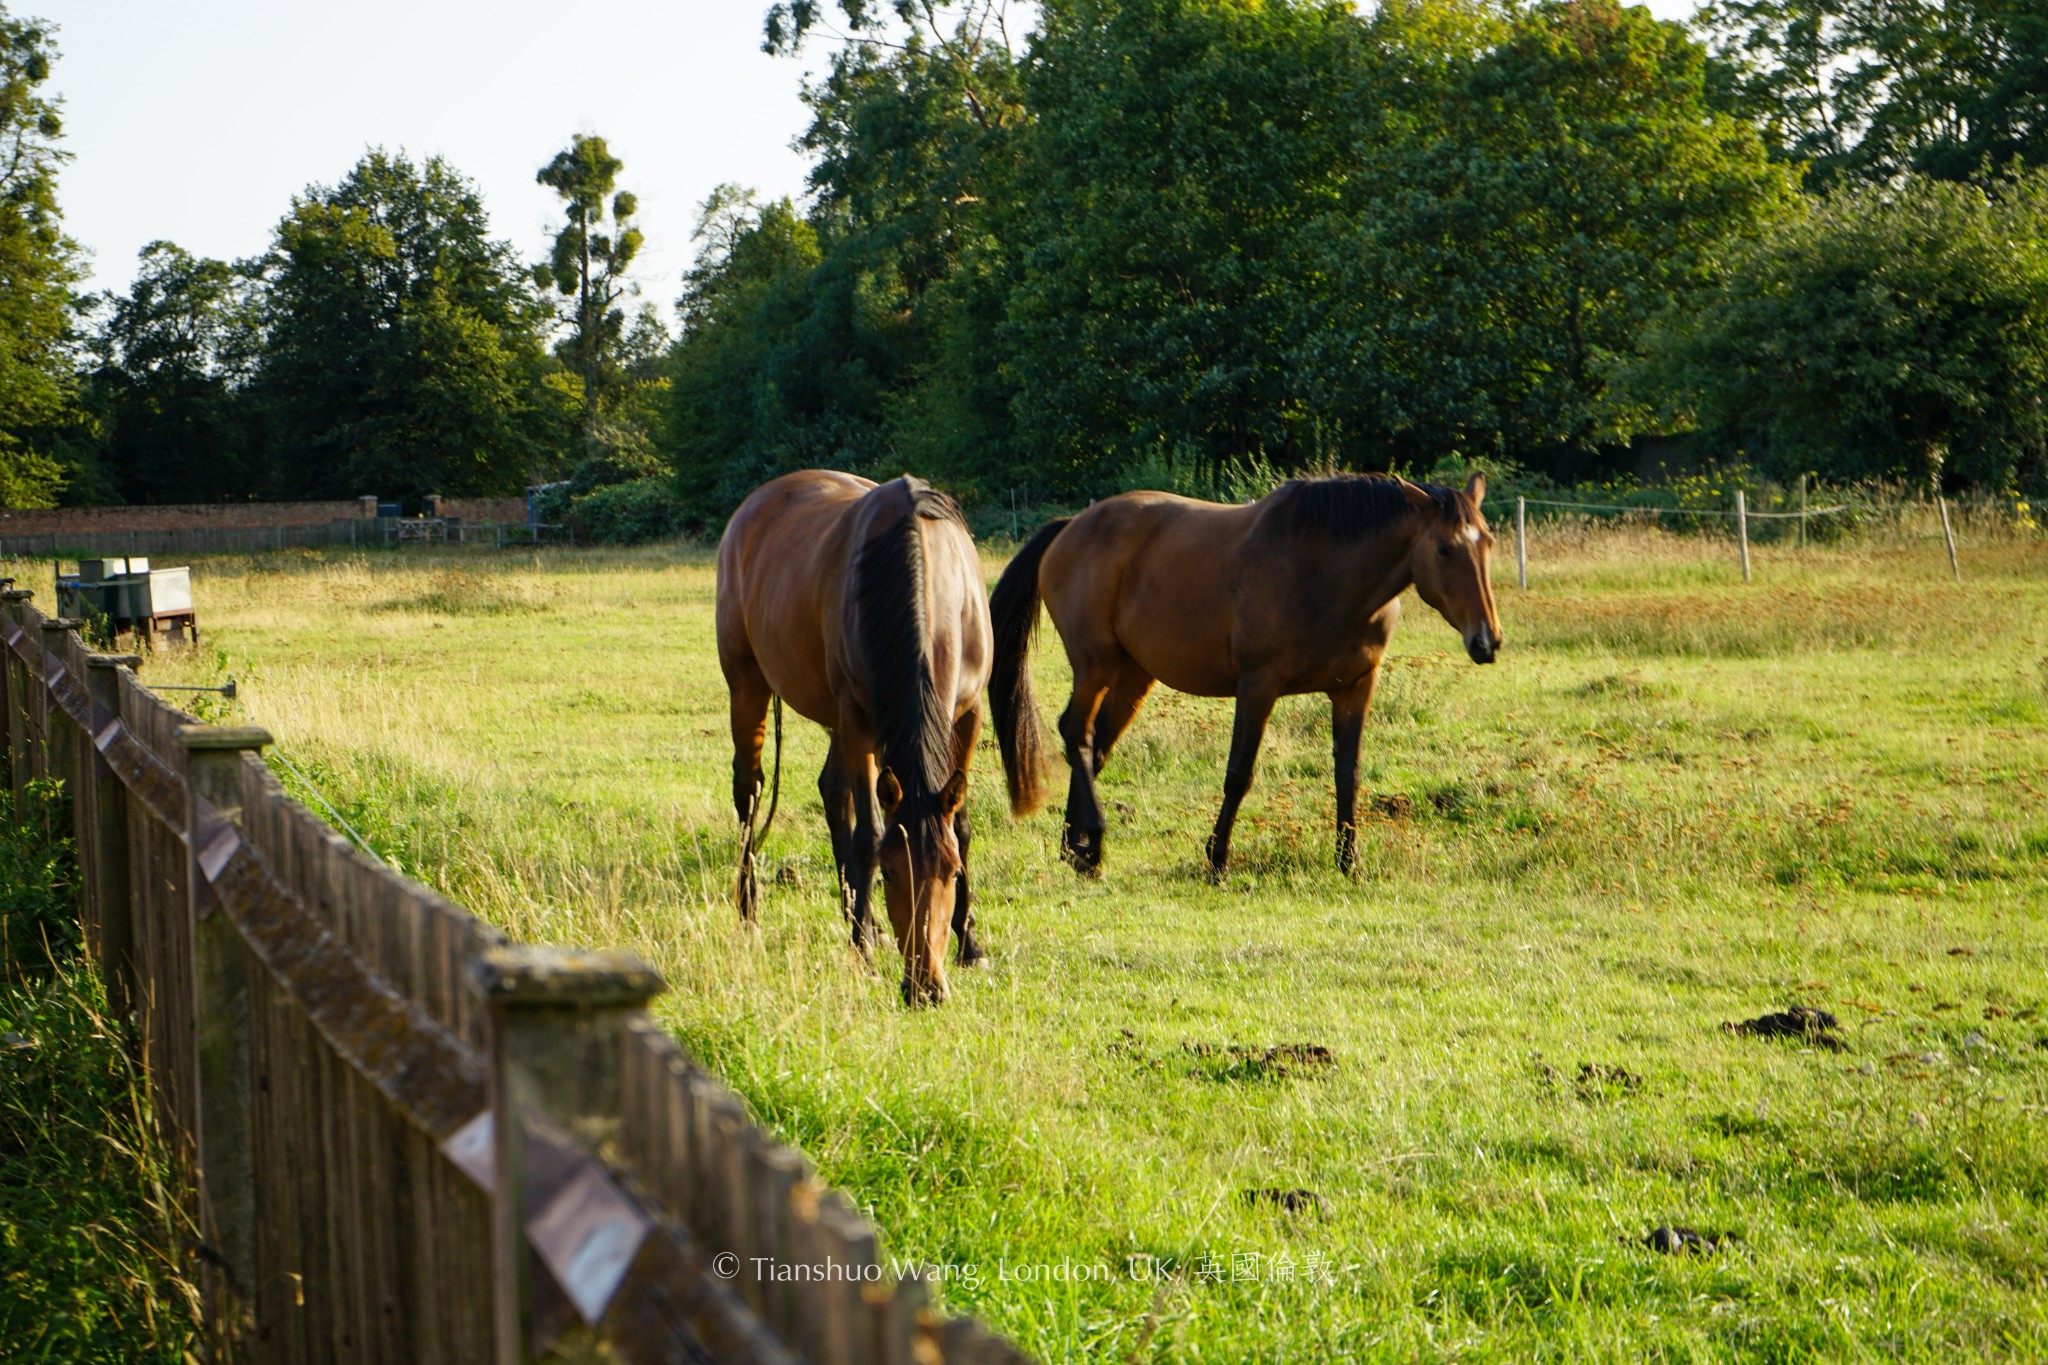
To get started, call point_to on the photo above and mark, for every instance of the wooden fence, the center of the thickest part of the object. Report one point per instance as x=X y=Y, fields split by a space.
x=399 y=1137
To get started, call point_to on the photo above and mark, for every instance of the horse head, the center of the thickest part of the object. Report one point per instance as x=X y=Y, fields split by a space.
x=920 y=861
x=1450 y=561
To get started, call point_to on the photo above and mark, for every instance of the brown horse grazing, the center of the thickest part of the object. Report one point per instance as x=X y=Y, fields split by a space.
x=862 y=608
x=1294 y=593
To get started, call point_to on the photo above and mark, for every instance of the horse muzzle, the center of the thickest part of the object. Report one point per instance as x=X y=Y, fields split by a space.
x=1482 y=644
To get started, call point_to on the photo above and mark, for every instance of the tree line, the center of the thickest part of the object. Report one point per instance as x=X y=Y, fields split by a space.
x=1155 y=242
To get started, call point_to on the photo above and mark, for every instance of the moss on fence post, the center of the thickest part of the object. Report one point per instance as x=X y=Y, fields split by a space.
x=558 y=1027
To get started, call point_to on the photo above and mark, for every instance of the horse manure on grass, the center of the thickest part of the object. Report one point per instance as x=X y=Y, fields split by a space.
x=1289 y=1201
x=1596 y=1082
x=1672 y=1240
x=1392 y=805
x=1237 y=1062
x=1803 y=1022
x=1126 y=1047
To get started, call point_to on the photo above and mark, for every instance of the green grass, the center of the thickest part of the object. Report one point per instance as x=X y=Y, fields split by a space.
x=87 y=1266
x=1677 y=801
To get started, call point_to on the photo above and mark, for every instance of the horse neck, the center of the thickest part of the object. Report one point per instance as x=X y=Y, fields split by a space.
x=895 y=646
x=1379 y=566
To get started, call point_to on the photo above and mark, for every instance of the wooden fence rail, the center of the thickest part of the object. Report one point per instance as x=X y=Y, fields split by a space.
x=399 y=1137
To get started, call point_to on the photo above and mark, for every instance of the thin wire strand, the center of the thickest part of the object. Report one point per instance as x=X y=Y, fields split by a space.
x=307 y=783
x=1692 y=512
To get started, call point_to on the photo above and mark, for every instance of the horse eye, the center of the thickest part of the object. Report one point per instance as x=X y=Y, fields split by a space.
x=1444 y=550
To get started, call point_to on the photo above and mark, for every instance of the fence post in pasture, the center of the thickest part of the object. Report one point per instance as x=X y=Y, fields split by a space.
x=116 y=946
x=1522 y=541
x=20 y=755
x=1802 y=511
x=220 y=972
x=1742 y=530
x=558 y=1030
x=1948 y=534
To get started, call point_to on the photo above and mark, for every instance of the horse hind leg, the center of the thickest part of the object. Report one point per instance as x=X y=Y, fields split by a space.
x=1117 y=713
x=749 y=716
x=1081 y=838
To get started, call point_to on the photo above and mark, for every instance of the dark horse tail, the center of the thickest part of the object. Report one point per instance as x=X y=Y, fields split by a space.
x=1013 y=609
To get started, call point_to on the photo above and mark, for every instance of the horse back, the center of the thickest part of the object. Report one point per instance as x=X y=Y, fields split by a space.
x=1151 y=576
x=782 y=571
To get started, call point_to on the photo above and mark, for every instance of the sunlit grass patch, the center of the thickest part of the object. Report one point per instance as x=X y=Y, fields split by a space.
x=1677 y=802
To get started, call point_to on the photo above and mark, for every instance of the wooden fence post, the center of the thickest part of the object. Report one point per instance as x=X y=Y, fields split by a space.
x=220 y=970
x=1742 y=530
x=20 y=758
x=1948 y=534
x=1522 y=541
x=60 y=751
x=558 y=1030
x=1802 y=511
x=12 y=737
x=115 y=948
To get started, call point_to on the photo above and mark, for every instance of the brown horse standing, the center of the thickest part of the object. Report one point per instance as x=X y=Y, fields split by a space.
x=862 y=608
x=1294 y=593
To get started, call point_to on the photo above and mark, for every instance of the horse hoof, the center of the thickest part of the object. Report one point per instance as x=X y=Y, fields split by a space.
x=971 y=955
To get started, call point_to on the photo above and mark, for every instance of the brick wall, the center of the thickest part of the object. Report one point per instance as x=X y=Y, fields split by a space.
x=88 y=521
x=91 y=521
x=479 y=511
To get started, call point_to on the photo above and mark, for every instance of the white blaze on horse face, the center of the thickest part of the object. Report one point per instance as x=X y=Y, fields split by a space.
x=1472 y=535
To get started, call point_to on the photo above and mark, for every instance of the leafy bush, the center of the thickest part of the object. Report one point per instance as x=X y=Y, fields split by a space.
x=87 y=1226
x=629 y=513
x=38 y=919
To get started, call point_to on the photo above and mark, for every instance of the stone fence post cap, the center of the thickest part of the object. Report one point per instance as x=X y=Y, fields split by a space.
x=223 y=736
x=528 y=974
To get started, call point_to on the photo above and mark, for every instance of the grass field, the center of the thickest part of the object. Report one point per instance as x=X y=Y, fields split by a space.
x=1677 y=801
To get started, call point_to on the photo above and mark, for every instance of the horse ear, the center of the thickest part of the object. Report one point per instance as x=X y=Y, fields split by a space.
x=954 y=794
x=1475 y=488
x=891 y=792
x=1419 y=496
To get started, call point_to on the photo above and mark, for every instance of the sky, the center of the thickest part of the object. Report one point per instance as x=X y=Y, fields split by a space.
x=197 y=121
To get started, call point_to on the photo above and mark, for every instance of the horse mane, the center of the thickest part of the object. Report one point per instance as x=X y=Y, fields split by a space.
x=1354 y=506
x=913 y=722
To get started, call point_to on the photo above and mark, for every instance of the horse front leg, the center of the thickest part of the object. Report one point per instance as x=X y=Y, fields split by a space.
x=859 y=767
x=965 y=732
x=837 y=796
x=1254 y=708
x=1347 y=723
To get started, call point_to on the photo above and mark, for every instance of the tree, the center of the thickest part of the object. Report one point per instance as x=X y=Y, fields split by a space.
x=38 y=267
x=1871 y=89
x=174 y=359
x=1179 y=147
x=1501 y=254
x=1889 y=331
x=589 y=265
x=744 y=307
x=404 y=351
